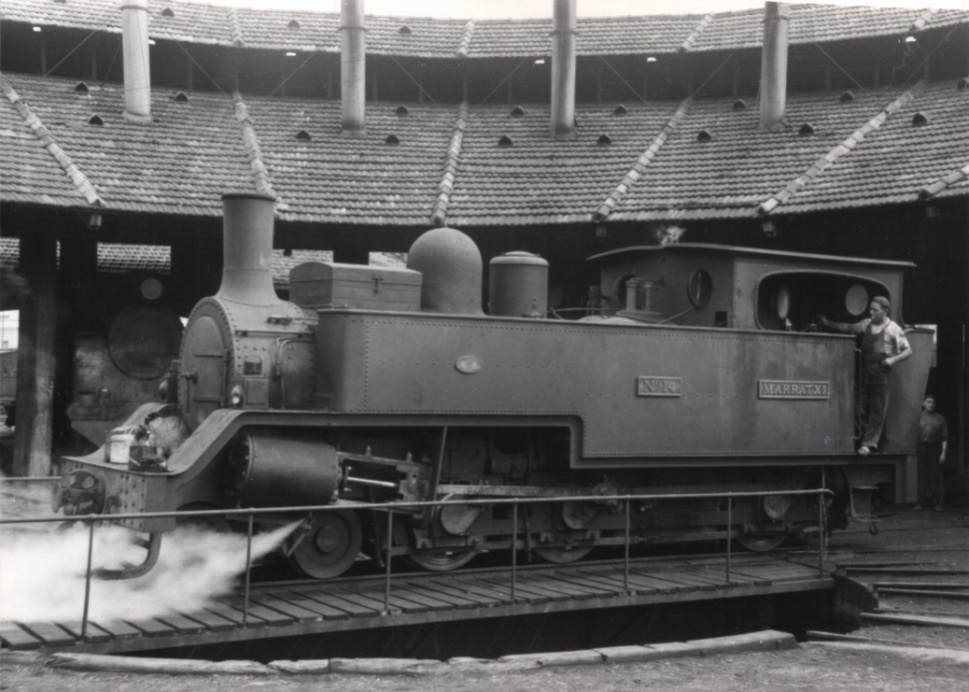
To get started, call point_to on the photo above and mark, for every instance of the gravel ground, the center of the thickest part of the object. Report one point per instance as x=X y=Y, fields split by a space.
x=932 y=539
x=811 y=667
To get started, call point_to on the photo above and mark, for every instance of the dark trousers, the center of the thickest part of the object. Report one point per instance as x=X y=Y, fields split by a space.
x=872 y=403
x=930 y=472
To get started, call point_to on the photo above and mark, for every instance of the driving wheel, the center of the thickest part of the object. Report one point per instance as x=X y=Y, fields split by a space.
x=329 y=546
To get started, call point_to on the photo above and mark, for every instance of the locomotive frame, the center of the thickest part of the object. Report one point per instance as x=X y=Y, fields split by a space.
x=699 y=372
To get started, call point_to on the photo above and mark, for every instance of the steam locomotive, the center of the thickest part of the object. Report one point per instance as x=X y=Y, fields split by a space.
x=699 y=372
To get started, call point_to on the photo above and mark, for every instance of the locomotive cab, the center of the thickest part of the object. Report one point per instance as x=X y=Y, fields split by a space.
x=691 y=284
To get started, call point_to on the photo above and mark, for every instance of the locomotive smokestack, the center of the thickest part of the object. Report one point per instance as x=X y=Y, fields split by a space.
x=563 y=70
x=353 y=74
x=247 y=238
x=773 y=66
x=137 y=70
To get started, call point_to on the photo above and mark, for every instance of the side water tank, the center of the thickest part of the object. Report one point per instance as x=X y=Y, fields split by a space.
x=518 y=285
x=451 y=266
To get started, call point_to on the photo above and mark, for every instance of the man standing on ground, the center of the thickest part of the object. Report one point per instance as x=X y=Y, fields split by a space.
x=932 y=442
x=883 y=345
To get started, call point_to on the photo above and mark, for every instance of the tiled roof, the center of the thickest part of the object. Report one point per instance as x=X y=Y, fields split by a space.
x=443 y=38
x=485 y=165
x=115 y=258
x=896 y=162
x=536 y=180
x=836 y=153
x=333 y=179
x=180 y=164
x=30 y=174
x=741 y=166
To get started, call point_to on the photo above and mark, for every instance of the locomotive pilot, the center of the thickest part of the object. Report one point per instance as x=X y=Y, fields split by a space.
x=883 y=345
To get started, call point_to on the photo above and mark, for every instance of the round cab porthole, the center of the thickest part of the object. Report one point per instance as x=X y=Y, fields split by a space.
x=856 y=300
x=700 y=288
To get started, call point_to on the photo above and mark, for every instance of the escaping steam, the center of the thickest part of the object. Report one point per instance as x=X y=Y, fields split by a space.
x=42 y=578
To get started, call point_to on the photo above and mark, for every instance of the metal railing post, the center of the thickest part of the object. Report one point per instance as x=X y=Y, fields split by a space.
x=514 y=549
x=390 y=540
x=729 y=531
x=245 y=602
x=87 y=579
x=821 y=533
x=625 y=571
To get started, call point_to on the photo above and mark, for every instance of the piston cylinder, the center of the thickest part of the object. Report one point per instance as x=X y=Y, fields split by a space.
x=518 y=285
x=270 y=470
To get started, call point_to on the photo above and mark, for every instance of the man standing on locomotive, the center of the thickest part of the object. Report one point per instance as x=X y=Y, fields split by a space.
x=883 y=344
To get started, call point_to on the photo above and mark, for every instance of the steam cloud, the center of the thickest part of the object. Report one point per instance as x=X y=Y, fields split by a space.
x=42 y=578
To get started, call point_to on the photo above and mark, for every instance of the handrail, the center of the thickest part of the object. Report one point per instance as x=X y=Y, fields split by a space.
x=391 y=507
x=415 y=504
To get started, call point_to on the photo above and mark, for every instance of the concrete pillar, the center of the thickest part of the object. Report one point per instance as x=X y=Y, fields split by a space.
x=563 y=70
x=353 y=74
x=773 y=66
x=137 y=68
x=35 y=357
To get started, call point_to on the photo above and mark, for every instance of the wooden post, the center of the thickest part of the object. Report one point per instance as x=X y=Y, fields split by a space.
x=77 y=308
x=35 y=357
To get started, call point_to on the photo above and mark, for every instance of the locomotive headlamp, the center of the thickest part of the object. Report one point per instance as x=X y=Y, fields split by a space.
x=236 y=396
x=163 y=389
